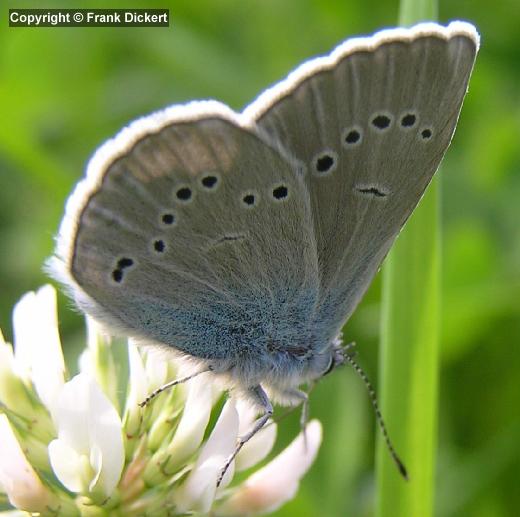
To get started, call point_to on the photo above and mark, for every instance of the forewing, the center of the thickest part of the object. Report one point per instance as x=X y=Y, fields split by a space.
x=370 y=123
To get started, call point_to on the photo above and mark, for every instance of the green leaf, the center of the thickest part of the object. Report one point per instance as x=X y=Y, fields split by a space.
x=408 y=359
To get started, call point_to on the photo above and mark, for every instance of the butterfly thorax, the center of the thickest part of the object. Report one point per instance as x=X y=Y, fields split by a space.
x=279 y=367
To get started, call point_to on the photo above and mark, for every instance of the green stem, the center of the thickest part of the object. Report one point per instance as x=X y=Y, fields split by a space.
x=408 y=368
x=414 y=11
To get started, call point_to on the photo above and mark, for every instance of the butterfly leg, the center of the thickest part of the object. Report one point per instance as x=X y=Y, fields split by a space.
x=261 y=399
x=300 y=397
x=169 y=385
x=295 y=398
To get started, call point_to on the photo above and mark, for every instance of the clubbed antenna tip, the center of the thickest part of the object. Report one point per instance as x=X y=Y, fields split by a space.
x=379 y=417
x=401 y=467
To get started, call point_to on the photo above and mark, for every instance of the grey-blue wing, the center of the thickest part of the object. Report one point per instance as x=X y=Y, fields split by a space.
x=371 y=123
x=193 y=232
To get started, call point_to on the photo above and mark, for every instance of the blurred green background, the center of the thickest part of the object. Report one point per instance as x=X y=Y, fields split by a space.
x=63 y=91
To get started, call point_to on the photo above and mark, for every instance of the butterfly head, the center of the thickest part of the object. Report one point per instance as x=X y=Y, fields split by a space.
x=336 y=357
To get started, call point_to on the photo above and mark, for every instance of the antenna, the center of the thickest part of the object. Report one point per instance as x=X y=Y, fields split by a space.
x=379 y=416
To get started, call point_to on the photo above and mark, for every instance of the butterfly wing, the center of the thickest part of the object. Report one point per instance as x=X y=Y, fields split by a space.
x=370 y=123
x=186 y=232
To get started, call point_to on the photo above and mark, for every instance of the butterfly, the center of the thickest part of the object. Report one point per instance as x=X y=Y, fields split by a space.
x=246 y=240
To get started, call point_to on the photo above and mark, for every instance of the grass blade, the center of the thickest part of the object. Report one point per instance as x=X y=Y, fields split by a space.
x=408 y=367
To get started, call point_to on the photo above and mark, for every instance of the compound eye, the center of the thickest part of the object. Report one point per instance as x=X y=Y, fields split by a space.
x=330 y=367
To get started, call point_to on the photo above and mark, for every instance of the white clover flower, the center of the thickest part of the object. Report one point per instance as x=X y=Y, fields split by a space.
x=17 y=477
x=68 y=449
x=88 y=455
x=37 y=344
x=276 y=483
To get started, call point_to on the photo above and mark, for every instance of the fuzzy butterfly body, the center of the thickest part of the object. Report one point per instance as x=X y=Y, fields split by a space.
x=246 y=240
